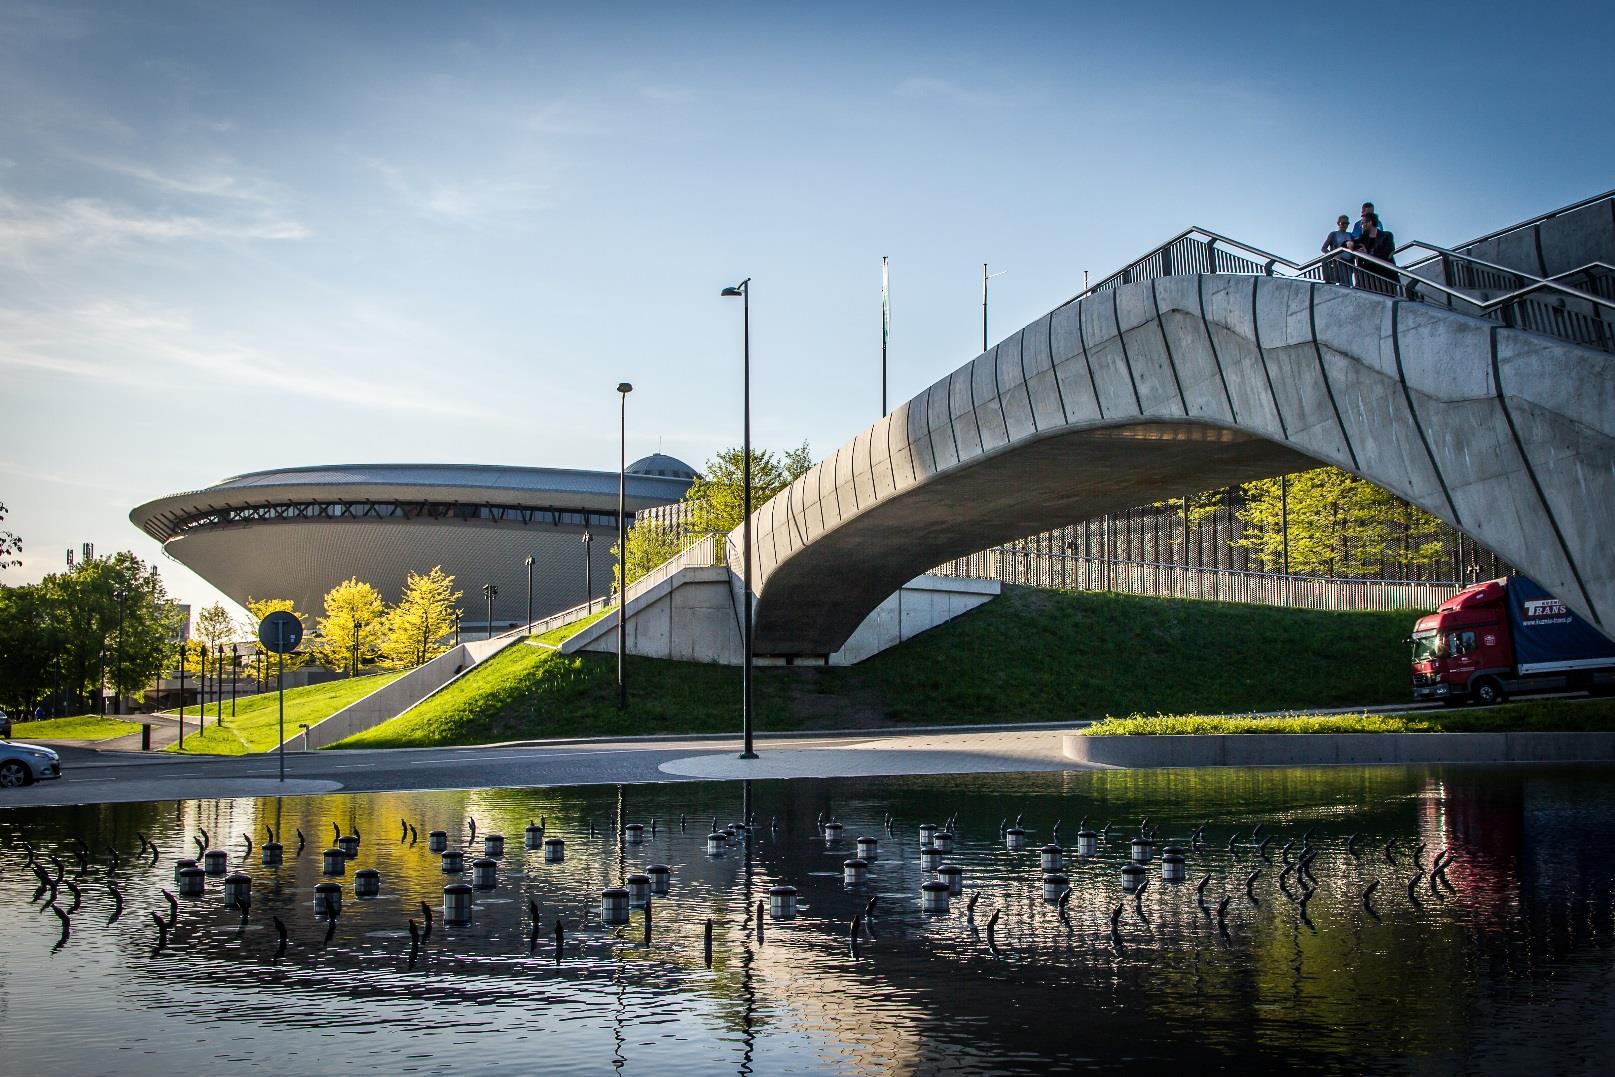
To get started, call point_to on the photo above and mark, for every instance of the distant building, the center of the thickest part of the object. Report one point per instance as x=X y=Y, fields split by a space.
x=297 y=532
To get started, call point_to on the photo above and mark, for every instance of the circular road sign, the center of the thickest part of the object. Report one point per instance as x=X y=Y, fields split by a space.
x=280 y=632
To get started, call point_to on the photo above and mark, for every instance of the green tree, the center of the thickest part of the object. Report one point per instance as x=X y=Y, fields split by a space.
x=415 y=628
x=10 y=544
x=28 y=643
x=353 y=628
x=651 y=543
x=716 y=499
x=1339 y=525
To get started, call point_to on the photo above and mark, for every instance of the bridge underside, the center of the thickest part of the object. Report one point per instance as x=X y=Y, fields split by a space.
x=1048 y=483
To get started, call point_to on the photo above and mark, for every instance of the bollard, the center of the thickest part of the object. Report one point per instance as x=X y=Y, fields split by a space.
x=854 y=872
x=554 y=850
x=349 y=844
x=270 y=852
x=715 y=843
x=328 y=899
x=1014 y=839
x=453 y=861
x=1174 y=865
x=635 y=833
x=930 y=858
x=1142 y=850
x=782 y=902
x=832 y=832
x=484 y=873
x=437 y=841
x=493 y=846
x=934 y=897
x=533 y=836
x=237 y=890
x=954 y=876
x=867 y=848
x=332 y=862
x=1132 y=878
x=1051 y=857
x=614 y=906
x=661 y=879
x=708 y=945
x=927 y=834
x=1087 y=843
x=638 y=887
x=457 y=907
x=1054 y=884
x=145 y=736
x=367 y=883
x=192 y=881
x=942 y=841
x=181 y=865
x=216 y=861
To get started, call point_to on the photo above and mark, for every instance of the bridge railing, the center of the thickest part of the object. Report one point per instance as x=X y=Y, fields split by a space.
x=1551 y=307
x=1166 y=580
x=705 y=552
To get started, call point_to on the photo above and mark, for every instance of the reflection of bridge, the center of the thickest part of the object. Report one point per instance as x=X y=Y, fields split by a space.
x=1199 y=366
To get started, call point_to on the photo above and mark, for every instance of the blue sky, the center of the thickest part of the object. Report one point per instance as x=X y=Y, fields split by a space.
x=236 y=237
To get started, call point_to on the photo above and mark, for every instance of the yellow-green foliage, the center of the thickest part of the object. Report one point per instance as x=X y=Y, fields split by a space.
x=1547 y=715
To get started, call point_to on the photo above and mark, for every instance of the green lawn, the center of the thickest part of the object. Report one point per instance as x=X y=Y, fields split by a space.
x=1029 y=655
x=1539 y=716
x=557 y=636
x=255 y=727
x=78 y=727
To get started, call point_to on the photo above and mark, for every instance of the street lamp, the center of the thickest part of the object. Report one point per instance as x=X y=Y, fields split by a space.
x=488 y=592
x=623 y=389
x=353 y=666
x=588 y=567
x=529 y=564
x=117 y=682
x=458 y=616
x=743 y=291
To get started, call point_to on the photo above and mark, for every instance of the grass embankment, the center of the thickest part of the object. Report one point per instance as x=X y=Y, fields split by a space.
x=557 y=636
x=1027 y=656
x=77 y=727
x=1541 y=716
x=256 y=725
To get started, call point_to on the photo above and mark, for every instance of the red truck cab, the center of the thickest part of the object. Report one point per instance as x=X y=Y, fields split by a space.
x=1465 y=639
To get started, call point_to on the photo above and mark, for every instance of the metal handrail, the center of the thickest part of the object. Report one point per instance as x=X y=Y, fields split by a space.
x=1541 y=217
x=1158 y=262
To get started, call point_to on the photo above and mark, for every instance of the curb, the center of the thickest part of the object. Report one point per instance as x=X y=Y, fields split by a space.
x=1337 y=749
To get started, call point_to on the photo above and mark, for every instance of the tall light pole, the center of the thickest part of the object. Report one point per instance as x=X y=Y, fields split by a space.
x=623 y=389
x=588 y=567
x=743 y=291
x=529 y=563
x=117 y=676
x=353 y=665
x=885 y=327
x=488 y=592
x=984 y=279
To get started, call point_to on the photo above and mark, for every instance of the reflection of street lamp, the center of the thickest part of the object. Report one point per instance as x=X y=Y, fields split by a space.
x=743 y=291
x=623 y=389
x=529 y=564
x=488 y=592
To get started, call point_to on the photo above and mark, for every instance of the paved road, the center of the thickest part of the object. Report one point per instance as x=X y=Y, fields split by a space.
x=95 y=777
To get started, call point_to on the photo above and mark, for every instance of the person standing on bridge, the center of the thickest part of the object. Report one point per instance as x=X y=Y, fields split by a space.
x=1380 y=245
x=1369 y=214
x=1337 y=270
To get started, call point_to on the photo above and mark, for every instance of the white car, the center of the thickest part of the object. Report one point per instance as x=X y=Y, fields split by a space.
x=23 y=764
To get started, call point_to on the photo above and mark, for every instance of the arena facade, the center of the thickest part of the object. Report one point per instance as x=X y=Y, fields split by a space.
x=297 y=532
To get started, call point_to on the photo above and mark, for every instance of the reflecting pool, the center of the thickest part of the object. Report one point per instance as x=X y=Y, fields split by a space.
x=1501 y=964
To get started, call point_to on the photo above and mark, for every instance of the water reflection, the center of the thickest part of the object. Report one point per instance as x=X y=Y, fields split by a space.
x=1508 y=966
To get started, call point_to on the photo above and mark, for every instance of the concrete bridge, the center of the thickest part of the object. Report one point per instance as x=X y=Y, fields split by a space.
x=1144 y=390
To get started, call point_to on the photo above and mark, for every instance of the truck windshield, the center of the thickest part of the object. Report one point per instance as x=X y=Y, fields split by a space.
x=1427 y=645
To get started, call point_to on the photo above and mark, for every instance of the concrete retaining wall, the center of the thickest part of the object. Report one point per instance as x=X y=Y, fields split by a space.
x=1347 y=749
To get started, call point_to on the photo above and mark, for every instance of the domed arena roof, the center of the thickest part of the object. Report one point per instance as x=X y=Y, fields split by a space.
x=663 y=466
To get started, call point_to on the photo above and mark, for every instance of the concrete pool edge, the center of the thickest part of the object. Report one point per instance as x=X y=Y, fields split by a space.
x=1337 y=749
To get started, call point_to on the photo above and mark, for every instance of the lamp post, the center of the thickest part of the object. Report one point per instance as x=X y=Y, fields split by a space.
x=117 y=676
x=588 y=566
x=743 y=291
x=353 y=663
x=458 y=616
x=182 y=692
x=218 y=682
x=529 y=564
x=623 y=389
x=488 y=592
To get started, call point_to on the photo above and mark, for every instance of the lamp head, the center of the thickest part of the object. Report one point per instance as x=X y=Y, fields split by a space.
x=736 y=291
x=624 y=387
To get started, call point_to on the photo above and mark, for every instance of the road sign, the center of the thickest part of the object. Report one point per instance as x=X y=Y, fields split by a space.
x=280 y=632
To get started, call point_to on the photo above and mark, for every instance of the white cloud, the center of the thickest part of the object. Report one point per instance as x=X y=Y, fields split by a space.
x=91 y=222
x=461 y=200
x=222 y=179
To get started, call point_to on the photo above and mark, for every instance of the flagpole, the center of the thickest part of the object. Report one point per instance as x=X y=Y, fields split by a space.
x=885 y=327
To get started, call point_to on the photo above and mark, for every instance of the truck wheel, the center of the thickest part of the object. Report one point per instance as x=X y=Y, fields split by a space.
x=1487 y=692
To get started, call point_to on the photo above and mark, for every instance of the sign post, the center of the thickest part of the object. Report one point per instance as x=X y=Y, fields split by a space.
x=281 y=632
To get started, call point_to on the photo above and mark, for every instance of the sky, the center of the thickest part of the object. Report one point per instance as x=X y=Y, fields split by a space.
x=243 y=236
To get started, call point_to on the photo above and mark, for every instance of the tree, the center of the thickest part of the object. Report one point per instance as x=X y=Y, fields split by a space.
x=10 y=544
x=424 y=615
x=716 y=499
x=651 y=543
x=1339 y=525
x=352 y=630
x=29 y=646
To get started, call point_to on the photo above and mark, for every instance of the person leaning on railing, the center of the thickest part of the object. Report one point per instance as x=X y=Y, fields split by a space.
x=1379 y=244
x=1337 y=270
